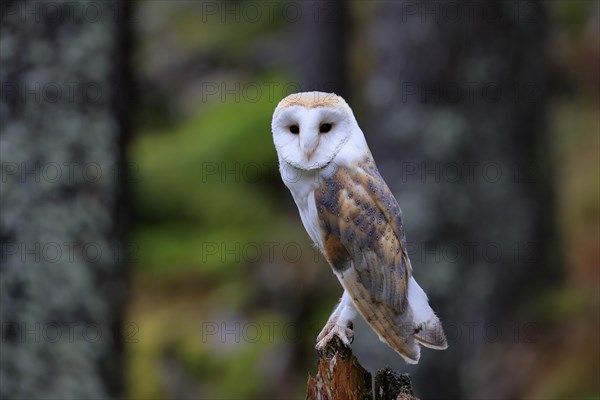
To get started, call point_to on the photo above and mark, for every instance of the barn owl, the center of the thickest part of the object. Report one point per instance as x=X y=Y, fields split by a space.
x=352 y=217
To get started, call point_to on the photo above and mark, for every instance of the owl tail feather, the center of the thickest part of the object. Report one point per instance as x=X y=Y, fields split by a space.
x=393 y=329
x=402 y=332
x=397 y=334
x=428 y=328
x=419 y=326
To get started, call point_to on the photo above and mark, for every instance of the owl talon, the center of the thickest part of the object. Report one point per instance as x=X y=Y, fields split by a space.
x=344 y=333
x=325 y=331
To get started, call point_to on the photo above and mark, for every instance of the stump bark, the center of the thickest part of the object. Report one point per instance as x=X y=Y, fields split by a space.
x=340 y=376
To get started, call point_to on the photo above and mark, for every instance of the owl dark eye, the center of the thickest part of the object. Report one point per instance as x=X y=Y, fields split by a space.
x=325 y=128
x=295 y=129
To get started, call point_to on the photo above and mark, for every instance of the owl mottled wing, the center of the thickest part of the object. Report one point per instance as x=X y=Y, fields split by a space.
x=363 y=241
x=362 y=229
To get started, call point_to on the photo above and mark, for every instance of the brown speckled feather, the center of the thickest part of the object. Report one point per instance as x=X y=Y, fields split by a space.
x=364 y=242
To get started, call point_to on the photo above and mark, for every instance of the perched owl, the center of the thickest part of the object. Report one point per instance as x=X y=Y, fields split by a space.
x=353 y=218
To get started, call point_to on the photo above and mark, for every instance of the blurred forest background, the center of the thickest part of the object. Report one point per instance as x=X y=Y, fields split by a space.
x=483 y=118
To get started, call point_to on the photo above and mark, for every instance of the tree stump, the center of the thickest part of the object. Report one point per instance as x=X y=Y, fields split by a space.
x=340 y=376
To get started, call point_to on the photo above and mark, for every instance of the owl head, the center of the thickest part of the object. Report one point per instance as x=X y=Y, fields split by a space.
x=310 y=129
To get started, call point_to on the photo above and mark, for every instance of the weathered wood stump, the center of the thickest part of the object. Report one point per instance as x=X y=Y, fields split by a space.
x=340 y=376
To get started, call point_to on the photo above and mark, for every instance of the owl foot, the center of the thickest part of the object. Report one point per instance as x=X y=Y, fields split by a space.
x=343 y=331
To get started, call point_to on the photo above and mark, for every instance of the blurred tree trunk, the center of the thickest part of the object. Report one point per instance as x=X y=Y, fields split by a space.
x=457 y=104
x=63 y=110
x=320 y=58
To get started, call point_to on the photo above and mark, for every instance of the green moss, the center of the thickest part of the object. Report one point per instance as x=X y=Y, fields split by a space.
x=176 y=249
x=573 y=15
x=225 y=29
x=232 y=367
x=205 y=167
x=558 y=304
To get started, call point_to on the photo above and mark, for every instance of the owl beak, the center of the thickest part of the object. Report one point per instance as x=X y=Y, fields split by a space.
x=308 y=144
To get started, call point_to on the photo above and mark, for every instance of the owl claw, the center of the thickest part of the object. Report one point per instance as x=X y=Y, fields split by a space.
x=343 y=332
